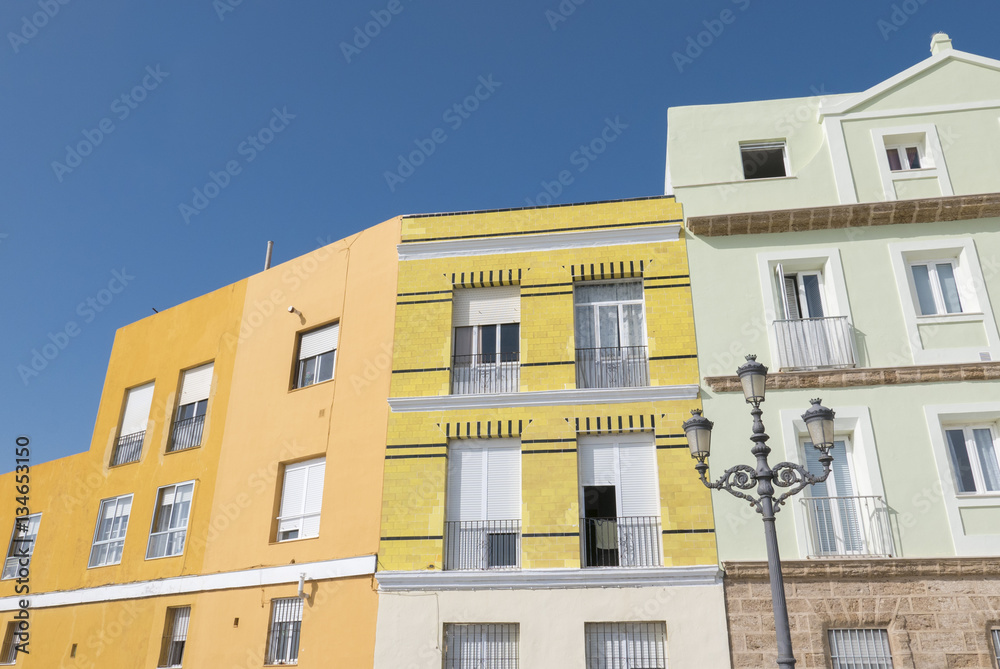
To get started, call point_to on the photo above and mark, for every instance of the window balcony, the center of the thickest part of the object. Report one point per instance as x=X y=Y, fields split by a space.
x=485 y=373
x=612 y=367
x=128 y=449
x=187 y=433
x=625 y=541
x=848 y=527
x=815 y=343
x=482 y=544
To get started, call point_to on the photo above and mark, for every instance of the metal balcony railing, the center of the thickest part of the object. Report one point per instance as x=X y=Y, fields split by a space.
x=815 y=343
x=848 y=527
x=625 y=541
x=482 y=544
x=128 y=449
x=612 y=367
x=485 y=373
x=187 y=433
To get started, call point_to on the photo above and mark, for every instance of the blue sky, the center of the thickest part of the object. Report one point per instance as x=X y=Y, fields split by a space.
x=115 y=113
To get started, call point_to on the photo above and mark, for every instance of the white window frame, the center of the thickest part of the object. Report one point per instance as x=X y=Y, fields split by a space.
x=936 y=287
x=971 y=292
x=932 y=162
x=760 y=145
x=169 y=530
x=299 y=360
x=939 y=418
x=108 y=542
x=171 y=636
x=608 y=303
x=307 y=465
x=861 y=661
x=285 y=653
x=14 y=561
x=851 y=423
x=974 y=463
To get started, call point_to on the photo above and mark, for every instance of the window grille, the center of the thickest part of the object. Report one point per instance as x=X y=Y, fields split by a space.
x=996 y=645
x=174 y=636
x=8 y=653
x=481 y=646
x=860 y=649
x=283 y=634
x=626 y=645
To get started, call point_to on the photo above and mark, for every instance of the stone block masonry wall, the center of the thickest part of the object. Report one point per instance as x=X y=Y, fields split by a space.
x=938 y=612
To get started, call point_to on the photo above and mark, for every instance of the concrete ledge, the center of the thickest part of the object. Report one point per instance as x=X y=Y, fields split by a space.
x=869 y=569
x=869 y=376
x=930 y=210
x=547 y=579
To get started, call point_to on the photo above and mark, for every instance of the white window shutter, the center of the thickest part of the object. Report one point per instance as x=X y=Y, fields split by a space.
x=503 y=481
x=313 y=498
x=137 y=409
x=181 y=618
x=196 y=384
x=321 y=340
x=487 y=306
x=597 y=463
x=466 y=499
x=293 y=491
x=640 y=494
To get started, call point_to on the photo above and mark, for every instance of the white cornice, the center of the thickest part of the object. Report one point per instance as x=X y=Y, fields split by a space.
x=249 y=578
x=544 y=398
x=548 y=579
x=542 y=241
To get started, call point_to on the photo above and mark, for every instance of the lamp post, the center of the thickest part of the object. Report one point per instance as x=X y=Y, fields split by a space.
x=819 y=422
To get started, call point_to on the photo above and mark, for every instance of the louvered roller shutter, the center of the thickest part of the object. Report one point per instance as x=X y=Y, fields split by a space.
x=597 y=463
x=313 y=501
x=487 y=306
x=466 y=498
x=137 y=409
x=320 y=340
x=503 y=480
x=196 y=384
x=640 y=495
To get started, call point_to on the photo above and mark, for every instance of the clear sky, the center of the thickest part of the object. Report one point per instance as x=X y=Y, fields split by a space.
x=115 y=112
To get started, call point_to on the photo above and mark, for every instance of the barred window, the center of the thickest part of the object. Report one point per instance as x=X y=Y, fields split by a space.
x=480 y=646
x=860 y=649
x=626 y=645
x=996 y=645
x=8 y=654
x=175 y=630
x=283 y=634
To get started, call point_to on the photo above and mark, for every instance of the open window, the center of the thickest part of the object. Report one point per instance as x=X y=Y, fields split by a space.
x=764 y=160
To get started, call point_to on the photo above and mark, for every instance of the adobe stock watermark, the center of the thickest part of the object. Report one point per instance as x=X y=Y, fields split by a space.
x=364 y=34
x=122 y=107
x=249 y=148
x=30 y=25
x=223 y=7
x=581 y=159
x=714 y=28
x=898 y=17
x=454 y=116
x=87 y=310
x=562 y=12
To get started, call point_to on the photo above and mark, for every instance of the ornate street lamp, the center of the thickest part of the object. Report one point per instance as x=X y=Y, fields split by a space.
x=819 y=422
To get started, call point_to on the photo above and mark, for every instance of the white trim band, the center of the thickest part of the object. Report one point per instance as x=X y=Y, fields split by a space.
x=249 y=578
x=547 y=579
x=544 y=398
x=543 y=241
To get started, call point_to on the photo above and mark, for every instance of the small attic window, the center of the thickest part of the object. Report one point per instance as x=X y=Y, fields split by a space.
x=907 y=152
x=764 y=160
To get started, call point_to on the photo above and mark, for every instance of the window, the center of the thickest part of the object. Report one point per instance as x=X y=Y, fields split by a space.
x=764 y=160
x=483 y=504
x=481 y=646
x=996 y=645
x=317 y=353
x=175 y=630
x=936 y=288
x=974 y=458
x=129 y=445
x=8 y=653
x=801 y=293
x=860 y=649
x=610 y=332
x=620 y=501
x=301 y=500
x=192 y=406
x=487 y=342
x=109 y=535
x=22 y=545
x=903 y=157
x=283 y=634
x=626 y=645
x=170 y=520
x=911 y=162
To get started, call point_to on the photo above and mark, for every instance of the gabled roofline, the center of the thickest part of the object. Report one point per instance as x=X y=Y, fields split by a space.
x=845 y=106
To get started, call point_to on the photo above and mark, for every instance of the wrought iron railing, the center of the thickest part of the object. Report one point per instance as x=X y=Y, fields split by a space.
x=625 y=541
x=128 y=449
x=187 y=433
x=482 y=544
x=815 y=343
x=612 y=367
x=848 y=527
x=485 y=373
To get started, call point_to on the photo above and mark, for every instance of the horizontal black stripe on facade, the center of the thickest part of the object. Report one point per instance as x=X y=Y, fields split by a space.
x=667 y=446
x=673 y=357
x=671 y=276
x=440 y=445
x=550 y=450
x=548 y=364
x=439 y=538
x=547 y=285
x=426 y=292
x=446 y=299
x=672 y=285
x=702 y=531
x=445 y=214
x=416 y=455
x=565 y=292
x=517 y=233
x=548 y=441
x=426 y=369
x=671 y=436
x=539 y=535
